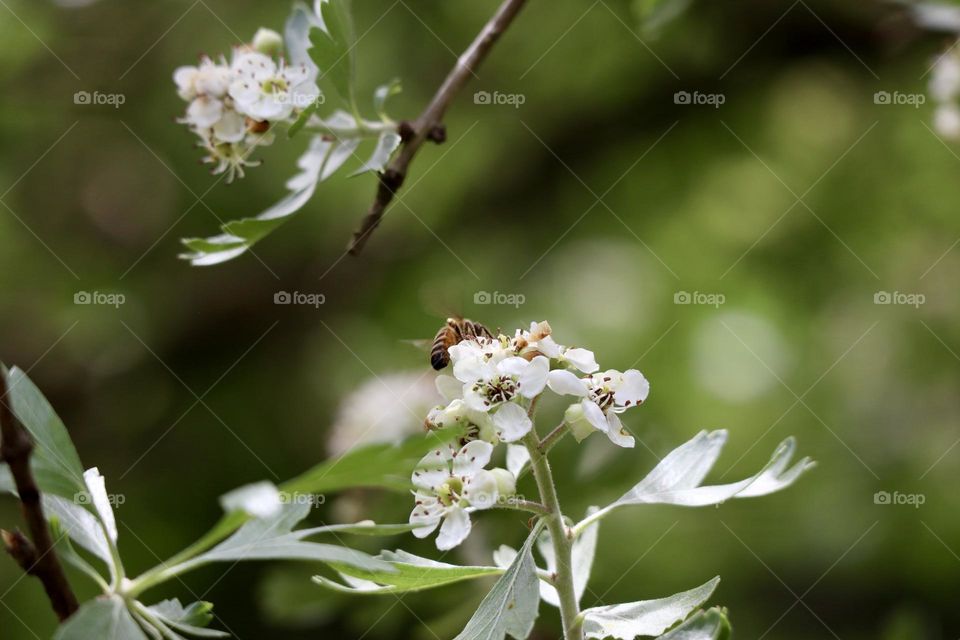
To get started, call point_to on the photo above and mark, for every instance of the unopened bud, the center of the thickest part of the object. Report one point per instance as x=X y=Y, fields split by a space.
x=268 y=41
x=577 y=421
x=506 y=483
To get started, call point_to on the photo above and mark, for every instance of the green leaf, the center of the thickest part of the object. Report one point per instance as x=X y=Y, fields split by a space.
x=333 y=47
x=386 y=145
x=677 y=479
x=383 y=93
x=105 y=618
x=296 y=34
x=386 y=466
x=55 y=463
x=274 y=539
x=81 y=525
x=411 y=573
x=239 y=235
x=705 y=625
x=70 y=556
x=645 y=617
x=511 y=605
x=190 y=620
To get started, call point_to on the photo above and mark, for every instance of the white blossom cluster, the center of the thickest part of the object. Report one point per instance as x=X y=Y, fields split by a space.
x=945 y=91
x=234 y=105
x=495 y=384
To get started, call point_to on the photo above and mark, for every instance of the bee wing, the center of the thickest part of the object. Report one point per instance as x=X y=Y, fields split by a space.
x=421 y=344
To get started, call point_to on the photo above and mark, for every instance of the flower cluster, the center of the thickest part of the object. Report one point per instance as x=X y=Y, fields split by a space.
x=234 y=105
x=945 y=91
x=495 y=385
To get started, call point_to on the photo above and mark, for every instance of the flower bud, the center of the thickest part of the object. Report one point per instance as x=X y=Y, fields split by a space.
x=506 y=483
x=579 y=426
x=268 y=41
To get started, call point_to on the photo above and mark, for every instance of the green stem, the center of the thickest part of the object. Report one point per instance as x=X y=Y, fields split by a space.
x=553 y=437
x=562 y=541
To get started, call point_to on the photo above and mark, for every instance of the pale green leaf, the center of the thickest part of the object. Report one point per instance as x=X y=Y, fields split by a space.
x=105 y=618
x=333 y=46
x=81 y=525
x=645 y=617
x=296 y=34
x=411 y=573
x=387 y=143
x=383 y=93
x=511 y=605
x=274 y=539
x=69 y=555
x=190 y=620
x=705 y=625
x=677 y=479
x=387 y=466
x=55 y=463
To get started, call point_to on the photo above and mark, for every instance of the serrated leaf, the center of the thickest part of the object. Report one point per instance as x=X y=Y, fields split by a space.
x=55 y=463
x=387 y=143
x=105 y=618
x=296 y=34
x=705 y=625
x=333 y=45
x=677 y=479
x=646 y=617
x=511 y=605
x=190 y=620
x=386 y=466
x=274 y=539
x=412 y=573
x=239 y=235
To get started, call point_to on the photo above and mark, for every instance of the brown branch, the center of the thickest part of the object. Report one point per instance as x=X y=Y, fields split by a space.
x=38 y=558
x=429 y=126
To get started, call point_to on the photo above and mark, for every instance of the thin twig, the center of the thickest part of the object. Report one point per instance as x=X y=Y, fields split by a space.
x=552 y=438
x=429 y=126
x=39 y=558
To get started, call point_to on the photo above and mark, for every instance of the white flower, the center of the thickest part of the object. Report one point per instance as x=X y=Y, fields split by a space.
x=264 y=91
x=206 y=79
x=539 y=339
x=604 y=396
x=945 y=78
x=451 y=483
x=946 y=121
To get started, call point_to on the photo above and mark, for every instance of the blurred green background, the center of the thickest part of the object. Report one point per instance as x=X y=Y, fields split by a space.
x=599 y=200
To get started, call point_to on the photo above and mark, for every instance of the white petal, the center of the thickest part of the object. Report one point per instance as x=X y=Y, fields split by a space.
x=617 y=434
x=534 y=377
x=511 y=422
x=513 y=366
x=184 y=77
x=429 y=518
x=433 y=469
x=473 y=457
x=480 y=491
x=204 y=112
x=449 y=387
x=455 y=529
x=255 y=65
x=633 y=389
x=474 y=400
x=244 y=92
x=582 y=359
x=517 y=459
x=566 y=383
x=231 y=127
x=594 y=415
x=548 y=347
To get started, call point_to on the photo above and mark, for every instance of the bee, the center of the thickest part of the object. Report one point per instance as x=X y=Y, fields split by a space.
x=454 y=331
